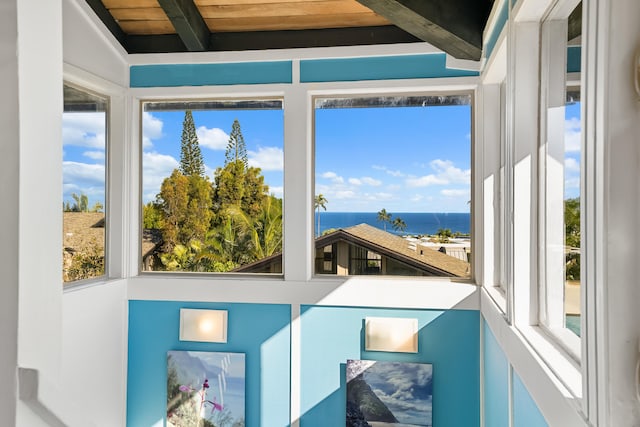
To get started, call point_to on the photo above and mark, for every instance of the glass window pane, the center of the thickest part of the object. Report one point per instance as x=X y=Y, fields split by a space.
x=212 y=186
x=563 y=165
x=84 y=136
x=393 y=185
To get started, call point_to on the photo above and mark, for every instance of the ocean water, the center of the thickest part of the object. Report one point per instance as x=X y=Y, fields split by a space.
x=417 y=222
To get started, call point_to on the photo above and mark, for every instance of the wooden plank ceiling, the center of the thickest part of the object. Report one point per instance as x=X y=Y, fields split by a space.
x=151 y=26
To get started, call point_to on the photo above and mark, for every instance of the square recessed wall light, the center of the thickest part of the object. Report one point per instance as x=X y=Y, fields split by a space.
x=203 y=325
x=391 y=334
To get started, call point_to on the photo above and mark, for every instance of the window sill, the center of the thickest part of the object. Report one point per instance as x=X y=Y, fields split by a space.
x=499 y=298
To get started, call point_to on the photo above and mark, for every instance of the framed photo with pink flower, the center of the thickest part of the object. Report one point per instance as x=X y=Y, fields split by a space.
x=205 y=389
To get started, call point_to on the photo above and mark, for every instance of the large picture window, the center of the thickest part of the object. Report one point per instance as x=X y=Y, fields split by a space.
x=84 y=138
x=393 y=185
x=212 y=186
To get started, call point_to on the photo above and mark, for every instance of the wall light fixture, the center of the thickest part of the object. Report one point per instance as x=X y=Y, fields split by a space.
x=391 y=334
x=203 y=325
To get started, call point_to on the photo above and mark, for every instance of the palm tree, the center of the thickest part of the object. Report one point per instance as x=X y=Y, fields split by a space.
x=399 y=225
x=384 y=217
x=444 y=234
x=320 y=202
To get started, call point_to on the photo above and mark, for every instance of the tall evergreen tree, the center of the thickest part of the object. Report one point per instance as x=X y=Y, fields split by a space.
x=191 y=161
x=236 y=148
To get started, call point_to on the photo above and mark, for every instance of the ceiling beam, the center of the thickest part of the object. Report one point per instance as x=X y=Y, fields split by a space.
x=454 y=26
x=188 y=22
x=108 y=20
x=292 y=39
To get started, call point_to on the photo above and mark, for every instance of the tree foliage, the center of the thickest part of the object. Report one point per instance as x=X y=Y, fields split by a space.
x=236 y=148
x=384 y=217
x=191 y=161
x=217 y=226
x=398 y=224
x=572 y=238
x=320 y=202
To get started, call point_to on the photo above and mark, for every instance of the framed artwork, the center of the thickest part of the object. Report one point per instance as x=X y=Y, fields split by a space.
x=205 y=389
x=396 y=394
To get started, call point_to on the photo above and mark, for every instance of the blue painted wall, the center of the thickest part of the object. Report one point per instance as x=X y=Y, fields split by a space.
x=168 y=75
x=496 y=381
x=379 y=68
x=450 y=340
x=261 y=331
x=525 y=411
x=496 y=389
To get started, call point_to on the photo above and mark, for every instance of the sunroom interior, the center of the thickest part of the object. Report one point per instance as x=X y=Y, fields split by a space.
x=511 y=341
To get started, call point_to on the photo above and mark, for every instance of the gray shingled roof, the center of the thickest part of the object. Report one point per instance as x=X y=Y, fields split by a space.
x=398 y=248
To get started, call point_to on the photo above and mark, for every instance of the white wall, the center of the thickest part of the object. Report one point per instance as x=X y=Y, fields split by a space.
x=94 y=349
x=619 y=125
x=94 y=317
x=9 y=190
x=89 y=46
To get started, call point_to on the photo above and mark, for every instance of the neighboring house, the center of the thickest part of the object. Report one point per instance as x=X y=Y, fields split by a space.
x=83 y=233
x=364 y=249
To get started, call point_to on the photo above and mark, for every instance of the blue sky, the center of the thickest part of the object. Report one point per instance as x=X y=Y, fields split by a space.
x=402 y=159
x=572 y=137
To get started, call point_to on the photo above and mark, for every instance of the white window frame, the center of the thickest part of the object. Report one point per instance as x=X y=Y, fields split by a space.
x=551 y=172
x=116 y=257
x=497 y=200
x=473 y=162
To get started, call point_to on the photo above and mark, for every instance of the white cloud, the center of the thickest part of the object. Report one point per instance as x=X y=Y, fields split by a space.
x=425 y=181
x=267 y=158
x=572 y=183
x=395 y=173
x=157 y=167
x=572 y=134
x=571 y=165
x=84 y=129
x=371 y=181
x=95 y=155
x=455 y=193
x=333 y=177
x=416 y=198
x=151 y=129
x=276 y=191
x=445 y=173
x=365 y=180
x=345 y=194
x=83 y=173
x=214 y=138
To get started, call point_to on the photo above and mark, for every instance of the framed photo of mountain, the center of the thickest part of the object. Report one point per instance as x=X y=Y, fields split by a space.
x=205 y=389
x=389 y=394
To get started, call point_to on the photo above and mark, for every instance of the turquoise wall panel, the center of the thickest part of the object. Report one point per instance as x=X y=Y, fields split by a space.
x=501 y=21
x=496 y=381
x=450 y=340
x=261 y=331
x=378 y=68
x=168 y=75
x=574 y=58
x=525 y=411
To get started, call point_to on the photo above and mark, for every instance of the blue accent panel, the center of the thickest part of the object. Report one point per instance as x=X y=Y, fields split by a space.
x=378 y=68
x=492 y=39
x=496 y=382
x=261 y=331
x=450 y=340
x=169 y=75
x=525 y=411
x=574 y=59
